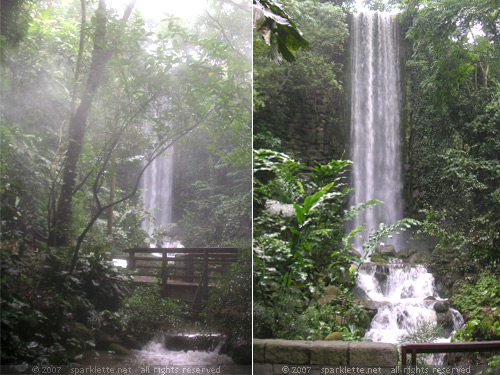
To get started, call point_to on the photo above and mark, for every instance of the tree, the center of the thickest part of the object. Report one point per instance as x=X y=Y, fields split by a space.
x=102 y=51
x=453 y=139
x=143 y=92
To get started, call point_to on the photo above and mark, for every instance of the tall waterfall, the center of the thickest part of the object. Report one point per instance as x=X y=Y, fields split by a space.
x=375 y=119
x=157 y=189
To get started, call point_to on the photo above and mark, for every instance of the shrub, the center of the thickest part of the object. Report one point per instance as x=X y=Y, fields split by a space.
x=147 y=313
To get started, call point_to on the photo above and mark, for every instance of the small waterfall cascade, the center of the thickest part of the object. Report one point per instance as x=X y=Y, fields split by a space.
x=184 y=350
x=375 y=120
x=405 y=299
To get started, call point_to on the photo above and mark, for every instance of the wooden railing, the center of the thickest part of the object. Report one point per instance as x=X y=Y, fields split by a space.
x=446 y=347
x=189 y=265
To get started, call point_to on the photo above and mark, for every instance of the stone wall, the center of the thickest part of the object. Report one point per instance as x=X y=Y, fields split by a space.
x=317 y=129
x=272 y=357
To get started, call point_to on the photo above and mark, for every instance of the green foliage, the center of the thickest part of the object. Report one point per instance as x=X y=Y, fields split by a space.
x=298 y=248
x=473 y=296
x=313 y=82
x=146 y=312
x=288 y=318
x=278 y=30
x=425 y=332
x=452 y=136
x=229 y=308
x=479 y=302
x=33 y=331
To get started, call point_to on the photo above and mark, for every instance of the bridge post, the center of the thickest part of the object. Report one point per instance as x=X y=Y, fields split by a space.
x=205 y=274
x=164 y=275
x=131 y=261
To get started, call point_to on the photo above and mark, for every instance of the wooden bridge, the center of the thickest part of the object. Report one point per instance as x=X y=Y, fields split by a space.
x=184 y=273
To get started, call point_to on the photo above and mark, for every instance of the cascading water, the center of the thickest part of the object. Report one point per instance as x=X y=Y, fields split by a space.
x=157 y=190
x=403 y=295
x=375 y=119
x=406 y=299
x=184 y=350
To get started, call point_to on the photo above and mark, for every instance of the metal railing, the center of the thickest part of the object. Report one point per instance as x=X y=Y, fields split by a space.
x=446 y=347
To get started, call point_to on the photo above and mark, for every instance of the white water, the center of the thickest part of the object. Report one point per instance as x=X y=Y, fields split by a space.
x=375 y=120
x=155 y=353
x=157 y=190
x=401 y=290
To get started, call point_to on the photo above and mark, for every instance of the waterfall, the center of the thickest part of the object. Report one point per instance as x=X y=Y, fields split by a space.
x=375 y=120
x=157 y=189
x=405 y=299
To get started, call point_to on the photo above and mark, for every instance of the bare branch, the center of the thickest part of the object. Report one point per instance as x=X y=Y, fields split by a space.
x=223 y=33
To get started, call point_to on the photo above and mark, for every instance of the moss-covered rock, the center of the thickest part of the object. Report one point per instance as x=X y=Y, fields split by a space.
x=335 y=336
x=377 y=258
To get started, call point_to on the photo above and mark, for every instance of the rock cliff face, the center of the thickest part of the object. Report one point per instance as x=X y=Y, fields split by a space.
x=317 y=130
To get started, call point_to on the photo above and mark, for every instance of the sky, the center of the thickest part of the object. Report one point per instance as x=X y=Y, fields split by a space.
x=155 y=10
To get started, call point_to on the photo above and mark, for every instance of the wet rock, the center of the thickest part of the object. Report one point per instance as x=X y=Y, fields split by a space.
x=103 y=340
x=132 y=342
x=387 y=251
x=120 y=350
x=359 y=293
x=354 y=252
x=377 y=258
x=381 y=277
x=430 y=298
x=363 y=320
x=406 y=253
x=414 y=259
x=441 y=306
x=335 y=336
x=446 y=321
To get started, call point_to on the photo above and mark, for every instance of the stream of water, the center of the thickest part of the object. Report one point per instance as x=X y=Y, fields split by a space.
x=183 y=350
x=407 y=302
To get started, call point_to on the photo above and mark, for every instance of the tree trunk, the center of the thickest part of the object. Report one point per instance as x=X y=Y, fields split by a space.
x=77 y=126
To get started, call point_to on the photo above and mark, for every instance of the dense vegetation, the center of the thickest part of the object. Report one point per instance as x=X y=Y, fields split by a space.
x=91 y=95
x=451 y=142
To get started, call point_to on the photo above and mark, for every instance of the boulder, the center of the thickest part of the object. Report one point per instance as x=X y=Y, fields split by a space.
x=414 y=258
x=103 y=340
x=387 y=251
x=335 y=336
x=441 y=306
x=377 y=258
x=363 y=319
x=381 y=277
x=359 y=293
x=354 y=252
x=445 y=319
x=120 y=350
